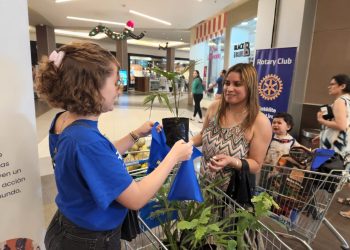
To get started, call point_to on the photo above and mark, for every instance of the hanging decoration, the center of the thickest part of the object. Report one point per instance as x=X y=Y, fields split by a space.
x=127 y=32
x=164 y=48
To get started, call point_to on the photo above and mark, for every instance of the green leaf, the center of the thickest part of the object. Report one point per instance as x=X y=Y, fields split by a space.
x=182 y=225
x=205 y=215
x=167 y=102
x=200 y=232
x=160 y=99
x=231 y=245
x=149 y=98
x=214 y=228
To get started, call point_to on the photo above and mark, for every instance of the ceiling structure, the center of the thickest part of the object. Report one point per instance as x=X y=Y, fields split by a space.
x=181 y=14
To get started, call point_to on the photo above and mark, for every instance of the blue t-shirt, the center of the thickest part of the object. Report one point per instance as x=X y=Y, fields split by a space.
x=90 y=174
x=219 y=84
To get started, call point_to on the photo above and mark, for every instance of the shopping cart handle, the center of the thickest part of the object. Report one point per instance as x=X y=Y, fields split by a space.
x=132 y=163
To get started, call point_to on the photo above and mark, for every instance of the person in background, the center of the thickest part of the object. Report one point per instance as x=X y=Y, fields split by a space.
x=234 y=129
x=218 y=84
x=184 y=85
x=94 y=188
x=335 y=131
x=281 y=141
x=197 y=92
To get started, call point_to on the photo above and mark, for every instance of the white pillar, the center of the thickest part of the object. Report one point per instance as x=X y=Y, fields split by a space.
x=289 y=23
x=20 y=188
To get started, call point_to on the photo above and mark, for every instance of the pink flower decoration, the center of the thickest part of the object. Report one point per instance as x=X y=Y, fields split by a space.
x=130 y=25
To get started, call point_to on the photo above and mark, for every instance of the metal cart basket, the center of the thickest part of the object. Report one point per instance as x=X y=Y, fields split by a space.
x=152 y=236
x=304 y=198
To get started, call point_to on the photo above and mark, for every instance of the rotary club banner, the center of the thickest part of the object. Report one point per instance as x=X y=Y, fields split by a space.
x=275 y=69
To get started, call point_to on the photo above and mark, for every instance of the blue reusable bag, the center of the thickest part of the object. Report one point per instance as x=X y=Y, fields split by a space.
x=320 y=157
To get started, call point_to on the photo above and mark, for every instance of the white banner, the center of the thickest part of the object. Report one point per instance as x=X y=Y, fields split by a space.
x=21 y=213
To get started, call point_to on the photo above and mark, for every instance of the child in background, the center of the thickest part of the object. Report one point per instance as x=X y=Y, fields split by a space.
x=281 y=141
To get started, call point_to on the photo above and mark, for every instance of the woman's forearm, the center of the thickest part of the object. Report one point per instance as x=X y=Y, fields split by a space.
x=123 y=144
x=333 y=124
x=197 y=140
x=254 y=166
x=139 y=193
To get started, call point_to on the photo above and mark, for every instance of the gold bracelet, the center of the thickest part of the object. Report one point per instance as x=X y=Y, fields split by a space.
x=134 y=137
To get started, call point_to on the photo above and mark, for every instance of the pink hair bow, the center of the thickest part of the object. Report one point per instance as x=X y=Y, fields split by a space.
x=56 y=58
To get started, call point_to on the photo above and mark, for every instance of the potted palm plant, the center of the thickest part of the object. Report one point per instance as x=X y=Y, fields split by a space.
x=176 y=127
x=212 y=224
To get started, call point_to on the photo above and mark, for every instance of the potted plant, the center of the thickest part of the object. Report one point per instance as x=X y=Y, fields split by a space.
x=176 y=127
x=210 y=224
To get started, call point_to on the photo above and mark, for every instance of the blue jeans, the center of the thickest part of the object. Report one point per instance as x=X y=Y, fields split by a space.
x=64 y=235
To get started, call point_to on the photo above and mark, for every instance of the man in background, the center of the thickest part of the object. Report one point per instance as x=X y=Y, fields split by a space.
x=218 y=84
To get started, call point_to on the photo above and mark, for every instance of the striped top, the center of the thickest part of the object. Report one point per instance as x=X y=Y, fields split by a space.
x=228 y=141
x=338 y=140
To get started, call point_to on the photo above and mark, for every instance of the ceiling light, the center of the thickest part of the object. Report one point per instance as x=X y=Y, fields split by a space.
x=94 y=20
x=62 y=1
x=153 y=43
x=149 y=17
x=79 y=34
x=185 y=49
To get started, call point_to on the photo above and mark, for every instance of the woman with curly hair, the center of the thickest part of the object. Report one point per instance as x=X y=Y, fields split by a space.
x=94 y=187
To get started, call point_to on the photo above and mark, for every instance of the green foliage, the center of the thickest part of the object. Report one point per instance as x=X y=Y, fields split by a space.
x=163 y=97
x=250 y=219
x=202 y=223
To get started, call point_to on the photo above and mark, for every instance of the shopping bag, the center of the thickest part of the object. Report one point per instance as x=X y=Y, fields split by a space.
x=130 y=227
x=332 y=167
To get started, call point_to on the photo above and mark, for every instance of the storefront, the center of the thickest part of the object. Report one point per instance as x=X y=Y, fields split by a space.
x=242 y=41
x=225 y=40
x=140 y=69
x=209 y=47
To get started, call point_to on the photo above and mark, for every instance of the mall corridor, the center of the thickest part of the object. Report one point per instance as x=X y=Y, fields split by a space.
x=129 y=112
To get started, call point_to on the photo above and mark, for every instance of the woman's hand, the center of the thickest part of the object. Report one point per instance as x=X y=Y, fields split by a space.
x=181 y=151
x=220 y=161
x=146 y=128
x=320 y=118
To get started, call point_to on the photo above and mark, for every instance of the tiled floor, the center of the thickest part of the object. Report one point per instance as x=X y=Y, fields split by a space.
x=128 y=114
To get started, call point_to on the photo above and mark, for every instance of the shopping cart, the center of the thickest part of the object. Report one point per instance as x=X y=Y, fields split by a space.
x=152 y=235
x=304 y=198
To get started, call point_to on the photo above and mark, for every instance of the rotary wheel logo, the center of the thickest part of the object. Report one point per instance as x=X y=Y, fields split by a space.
x=270 y=87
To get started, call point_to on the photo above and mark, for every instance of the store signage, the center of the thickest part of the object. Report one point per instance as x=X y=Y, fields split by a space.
x=214 y=56
x=275 y=73
x=241 y=50
x=22 y=220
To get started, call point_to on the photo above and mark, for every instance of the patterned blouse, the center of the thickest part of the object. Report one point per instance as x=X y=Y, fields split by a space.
x=335 y=139
x=228 y=141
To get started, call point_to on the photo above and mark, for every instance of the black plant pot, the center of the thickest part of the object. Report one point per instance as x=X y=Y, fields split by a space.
x=208 y=247
x=175 y=128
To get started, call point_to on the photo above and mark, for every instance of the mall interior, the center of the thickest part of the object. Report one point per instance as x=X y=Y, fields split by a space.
x=212 y=35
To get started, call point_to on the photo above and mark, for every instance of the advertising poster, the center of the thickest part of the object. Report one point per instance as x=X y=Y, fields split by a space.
x=275 y=69
x=21 y=204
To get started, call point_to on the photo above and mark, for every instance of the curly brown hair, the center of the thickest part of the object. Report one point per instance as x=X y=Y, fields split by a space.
x=75 y=85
